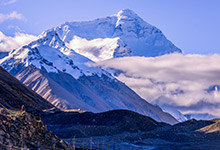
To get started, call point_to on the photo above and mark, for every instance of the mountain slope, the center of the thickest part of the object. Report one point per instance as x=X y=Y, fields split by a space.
x=14 y=94
x=123 y=34
x=3 y=54
x=61 y=76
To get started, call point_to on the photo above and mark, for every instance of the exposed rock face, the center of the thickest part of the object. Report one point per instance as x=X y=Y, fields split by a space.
x=19 y=129
x=13 y=94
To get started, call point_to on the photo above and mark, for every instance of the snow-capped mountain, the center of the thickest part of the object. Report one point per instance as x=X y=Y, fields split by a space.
x=61 y=76
x=123 y=34
x=175 y=113
x=50 y=53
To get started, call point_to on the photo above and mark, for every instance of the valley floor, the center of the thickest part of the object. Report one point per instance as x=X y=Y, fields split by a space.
x=126 y=142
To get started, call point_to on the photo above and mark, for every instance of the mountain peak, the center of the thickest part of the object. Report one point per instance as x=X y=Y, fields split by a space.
x=126 y=13
x=50 y=38
x=119 y=35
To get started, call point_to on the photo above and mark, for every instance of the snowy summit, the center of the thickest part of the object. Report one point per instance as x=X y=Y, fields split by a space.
x=122 y=34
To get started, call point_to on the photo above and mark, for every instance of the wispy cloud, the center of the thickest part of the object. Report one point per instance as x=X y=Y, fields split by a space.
x=8 y=43
x=177 y=80
x=16 y=28
x=12 y=16
x=8 y=2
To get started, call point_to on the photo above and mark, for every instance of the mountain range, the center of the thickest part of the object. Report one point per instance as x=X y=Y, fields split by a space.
x=56 y=88
x=59 y=74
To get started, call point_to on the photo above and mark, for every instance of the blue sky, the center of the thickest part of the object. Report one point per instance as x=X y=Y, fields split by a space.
x=192 y=25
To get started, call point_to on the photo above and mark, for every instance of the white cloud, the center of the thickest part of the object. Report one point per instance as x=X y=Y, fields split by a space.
x=96 y=49
x=8 y=2
x=12 y=16
x=16 y=28
x=177 y=80
x=8 y=43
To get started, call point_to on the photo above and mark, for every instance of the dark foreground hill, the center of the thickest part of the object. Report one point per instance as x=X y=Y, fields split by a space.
x=190 y=135
x=126 y=129
x=86 y=124
x=14 y=94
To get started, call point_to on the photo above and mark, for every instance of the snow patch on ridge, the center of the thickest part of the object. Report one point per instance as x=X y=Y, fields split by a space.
x=51 y=54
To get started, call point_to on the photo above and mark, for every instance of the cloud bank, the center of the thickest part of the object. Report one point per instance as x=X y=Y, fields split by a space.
x=12 y=16
x=188 y=83
x=8 y=43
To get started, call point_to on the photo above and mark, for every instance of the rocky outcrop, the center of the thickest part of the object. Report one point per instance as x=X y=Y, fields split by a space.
x=19 y=129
